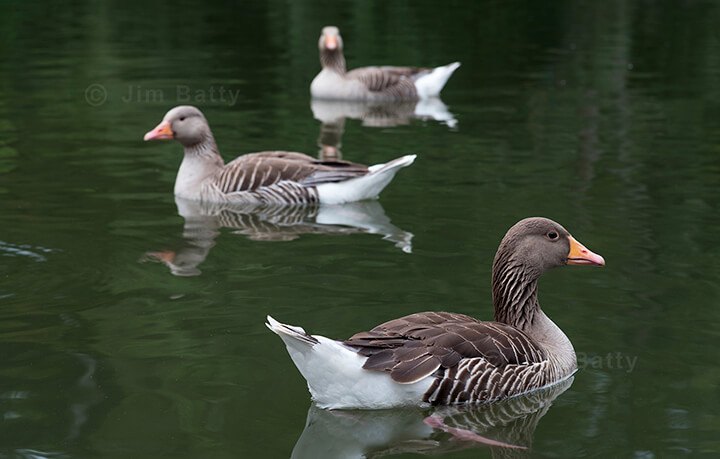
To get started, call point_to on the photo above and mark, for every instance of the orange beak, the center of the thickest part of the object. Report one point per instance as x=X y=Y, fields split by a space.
x=579 y=255
x=162 y=131
x=331 y=42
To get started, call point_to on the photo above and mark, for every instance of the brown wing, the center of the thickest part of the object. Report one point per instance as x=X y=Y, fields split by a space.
x=415 y=346
x=376 y=79
x=408 y=72
x=252 y=171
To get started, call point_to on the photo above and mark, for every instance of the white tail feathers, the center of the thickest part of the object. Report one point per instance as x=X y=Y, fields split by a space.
x=296 y=333
x=430 y=84
x=395 y=164
x=366 y=187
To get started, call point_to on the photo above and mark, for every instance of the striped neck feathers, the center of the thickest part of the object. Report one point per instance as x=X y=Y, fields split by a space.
x=206 y=149
x=514 y=289
x=333 y=60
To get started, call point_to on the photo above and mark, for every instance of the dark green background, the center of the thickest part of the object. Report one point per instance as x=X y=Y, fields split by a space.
x=601 y=115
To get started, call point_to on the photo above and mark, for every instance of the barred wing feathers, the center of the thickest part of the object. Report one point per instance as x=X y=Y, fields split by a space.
x=408 y=72
x=378 y=79
x=415 y=346
x=256 y=170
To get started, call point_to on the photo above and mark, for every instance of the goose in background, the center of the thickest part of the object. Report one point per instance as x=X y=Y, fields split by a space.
x=440 y=358
x=270 y=177
x=377 y=83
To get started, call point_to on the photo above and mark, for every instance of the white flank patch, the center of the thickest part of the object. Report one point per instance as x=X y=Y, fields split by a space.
x=336 y=378
x=366 y=187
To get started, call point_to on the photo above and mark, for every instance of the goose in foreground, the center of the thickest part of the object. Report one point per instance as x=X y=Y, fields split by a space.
x=372 y=83
x=269 y=177
x=446 y=358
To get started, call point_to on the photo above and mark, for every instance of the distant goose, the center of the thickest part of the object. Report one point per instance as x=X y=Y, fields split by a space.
x=269 y=177
x=445 y=358
x=372 y=83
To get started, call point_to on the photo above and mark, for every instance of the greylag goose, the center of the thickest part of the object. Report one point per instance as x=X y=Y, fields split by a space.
x=372 y=83
x=445 y=358
x=269 y=177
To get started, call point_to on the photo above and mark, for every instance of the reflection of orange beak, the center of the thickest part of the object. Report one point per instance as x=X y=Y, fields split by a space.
x=167 y=256
x=579 y=255
x=331 y=42
x=161 y=132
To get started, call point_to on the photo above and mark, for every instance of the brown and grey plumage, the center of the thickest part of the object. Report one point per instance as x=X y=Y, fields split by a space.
x=377 y=83
x=445 y=358
x=464 y=353
x=270 y=177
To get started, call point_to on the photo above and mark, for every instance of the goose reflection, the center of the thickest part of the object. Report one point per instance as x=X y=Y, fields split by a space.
x=332 y=115
x=507 y=427
x=203 y=222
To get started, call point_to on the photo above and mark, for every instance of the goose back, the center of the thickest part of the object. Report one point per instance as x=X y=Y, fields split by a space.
x=383 y=84
x=279 y=177
x=468 y=358
x=255 y=170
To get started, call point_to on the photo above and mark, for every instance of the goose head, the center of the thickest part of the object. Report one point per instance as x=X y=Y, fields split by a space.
x=184 y=123
x=531 y=247
x=539 y=244
x=330 y=40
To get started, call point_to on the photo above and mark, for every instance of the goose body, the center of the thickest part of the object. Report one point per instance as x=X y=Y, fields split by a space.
x=270 y=177
x=442 y=358
x=377 y=83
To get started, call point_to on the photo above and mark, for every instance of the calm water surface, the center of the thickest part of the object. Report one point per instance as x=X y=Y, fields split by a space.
x=131 y=325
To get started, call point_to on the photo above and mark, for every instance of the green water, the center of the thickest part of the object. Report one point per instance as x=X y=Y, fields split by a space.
x=601 y=115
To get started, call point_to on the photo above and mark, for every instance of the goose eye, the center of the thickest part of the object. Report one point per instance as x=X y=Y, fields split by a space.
x=552 y=235
x=182 y=118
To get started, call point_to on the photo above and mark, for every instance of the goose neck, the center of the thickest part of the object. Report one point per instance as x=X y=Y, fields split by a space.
x=333 y=60
x=200 y=162
x=514 y=295
x=206 y=148
x=516 y=304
